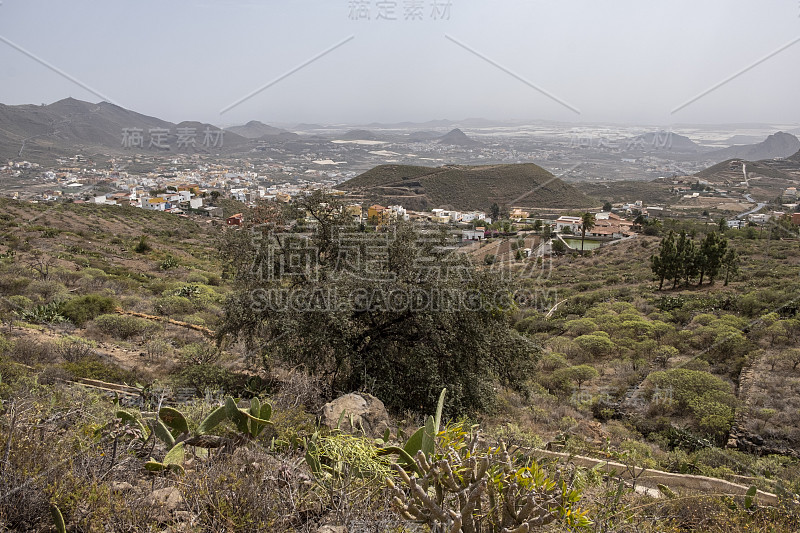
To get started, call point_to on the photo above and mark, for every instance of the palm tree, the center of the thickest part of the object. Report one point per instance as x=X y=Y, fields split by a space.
x=587 y=223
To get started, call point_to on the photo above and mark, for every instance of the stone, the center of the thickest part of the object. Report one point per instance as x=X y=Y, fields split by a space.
x=169 y=499
x=121 y=486
x=332 y=529
x=366 y=412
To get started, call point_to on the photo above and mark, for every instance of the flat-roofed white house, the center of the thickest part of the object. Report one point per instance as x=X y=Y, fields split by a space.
x=573 y=223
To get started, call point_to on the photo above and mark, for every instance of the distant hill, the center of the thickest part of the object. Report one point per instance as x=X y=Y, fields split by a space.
x=795 y=158
x=661 y=141
x=730 y=171
x=742 y=139
x=466 y=187
x=778 y=144
x=255 y=129
x=657 y=191
x=70 y=125
x=359 y=135
x=421 y=136
x=457 y=137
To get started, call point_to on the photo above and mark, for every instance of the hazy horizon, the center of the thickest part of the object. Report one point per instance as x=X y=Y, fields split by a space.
x=578 y=62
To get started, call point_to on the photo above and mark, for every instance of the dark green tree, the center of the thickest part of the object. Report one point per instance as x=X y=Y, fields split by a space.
x=686 y=259
x=665 y=264
x=494 y=212
x=558 y=247
x=731 y=264
x=419 y=319
x=712 y=250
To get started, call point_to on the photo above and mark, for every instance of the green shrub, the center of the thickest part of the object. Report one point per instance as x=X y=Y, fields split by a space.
x=553 y=361
x=581 y=326
x=173 y=305
x=210 y=376
x=596 y=345
x=196 y=277
x=84 y=308
x=686 y=386
x=72 y=349
x=169 y=262
x=91 y=367
x=142 y=247
x=19 y=302
x=124 y=327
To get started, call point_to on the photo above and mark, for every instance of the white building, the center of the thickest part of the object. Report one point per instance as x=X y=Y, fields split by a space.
x=573 y=223
x=399 y=212
x=153 y=204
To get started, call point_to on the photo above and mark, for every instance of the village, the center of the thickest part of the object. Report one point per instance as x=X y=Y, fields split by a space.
x=191 y=186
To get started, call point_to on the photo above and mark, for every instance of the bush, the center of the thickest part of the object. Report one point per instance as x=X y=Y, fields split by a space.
x=46 y=291
x=93 y=367
x=210 y=376
x=124 y=327
x=84 y=308
x=553 y=361
x=54 y=374
x=173 y=305
x=169 y=262
x=581 y=326
x=686 y=386
x=142 y=246
x=196 y=277
x=30 y=352
x=197 y=353
x=72 y=349
x=596 y=345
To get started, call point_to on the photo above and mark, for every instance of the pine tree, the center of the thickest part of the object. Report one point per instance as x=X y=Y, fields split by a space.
x=712 y=251
x=686 y=258
x=731 y=264
x=664 y=264
x=691 y=261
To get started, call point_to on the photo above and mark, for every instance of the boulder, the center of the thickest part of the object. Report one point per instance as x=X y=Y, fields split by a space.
x=169 y=499
x=121 y=486
x=355 y=413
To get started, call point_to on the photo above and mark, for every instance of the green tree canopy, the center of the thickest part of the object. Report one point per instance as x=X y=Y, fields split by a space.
x=404 y=323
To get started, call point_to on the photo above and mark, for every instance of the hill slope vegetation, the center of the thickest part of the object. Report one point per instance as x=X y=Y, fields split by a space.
x=466 y=187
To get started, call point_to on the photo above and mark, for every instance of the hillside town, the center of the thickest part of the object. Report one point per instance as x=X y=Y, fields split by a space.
x=197 y=189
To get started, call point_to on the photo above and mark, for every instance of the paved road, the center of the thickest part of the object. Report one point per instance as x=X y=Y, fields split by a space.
x=757 y=208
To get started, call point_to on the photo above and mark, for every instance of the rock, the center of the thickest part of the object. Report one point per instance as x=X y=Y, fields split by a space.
x=169 y=499
x=366 y=412
x=332 y=529
x=121 y=486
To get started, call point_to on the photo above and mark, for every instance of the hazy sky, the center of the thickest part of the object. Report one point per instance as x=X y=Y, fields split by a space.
x=614 y=61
